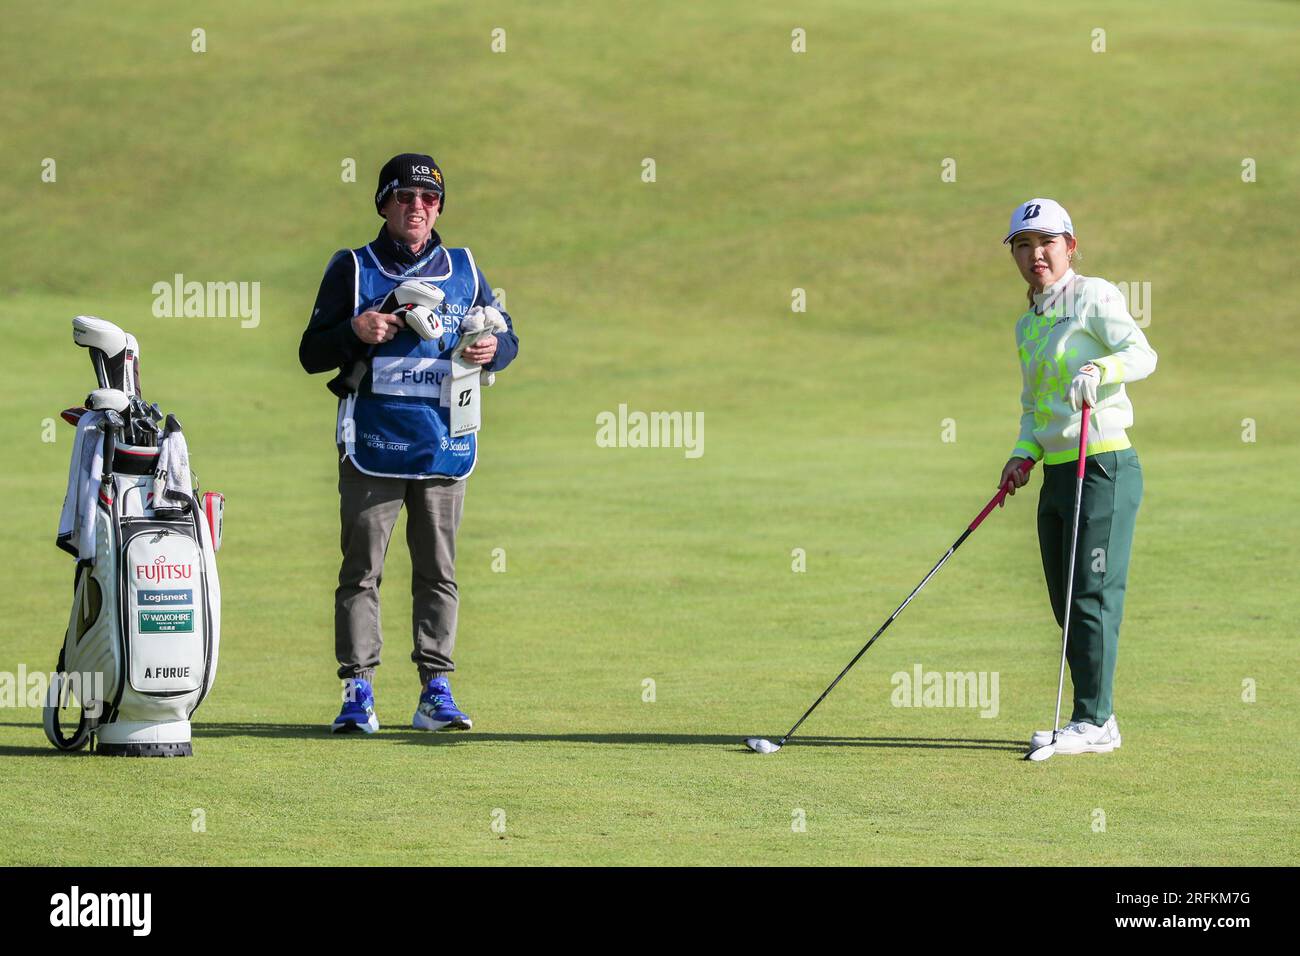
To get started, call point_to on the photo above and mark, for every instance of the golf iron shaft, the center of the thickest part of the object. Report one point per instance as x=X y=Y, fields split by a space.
x=994 y=502
x=1042 y=753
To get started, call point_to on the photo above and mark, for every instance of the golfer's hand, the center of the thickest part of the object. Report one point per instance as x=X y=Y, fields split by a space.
x=482 y=351
x=375 y=327
x=1084 y=387
x=1012 y=477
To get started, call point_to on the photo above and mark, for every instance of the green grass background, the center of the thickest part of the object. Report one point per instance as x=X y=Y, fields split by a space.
x=775 y=170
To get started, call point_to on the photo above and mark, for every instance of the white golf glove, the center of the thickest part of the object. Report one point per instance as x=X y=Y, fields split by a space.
x=482 y=318
x=1084 y=387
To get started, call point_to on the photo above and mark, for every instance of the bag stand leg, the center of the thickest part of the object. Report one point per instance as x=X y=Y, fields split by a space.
x=54 y=698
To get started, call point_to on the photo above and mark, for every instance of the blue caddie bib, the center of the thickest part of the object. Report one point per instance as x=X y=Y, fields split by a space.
x=397 y=424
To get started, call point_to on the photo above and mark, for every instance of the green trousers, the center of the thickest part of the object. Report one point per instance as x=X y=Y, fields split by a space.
x=1112 y=491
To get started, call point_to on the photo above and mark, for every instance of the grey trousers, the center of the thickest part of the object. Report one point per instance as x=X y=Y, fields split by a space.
x=368 y=509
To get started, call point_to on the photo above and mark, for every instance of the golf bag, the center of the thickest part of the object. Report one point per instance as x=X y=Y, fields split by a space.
x=140 y=651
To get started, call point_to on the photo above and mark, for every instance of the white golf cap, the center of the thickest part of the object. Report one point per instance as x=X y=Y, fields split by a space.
x=1040 y=215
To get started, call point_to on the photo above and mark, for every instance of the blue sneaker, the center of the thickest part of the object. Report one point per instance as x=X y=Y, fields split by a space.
x=358 y=711
x=437 y=710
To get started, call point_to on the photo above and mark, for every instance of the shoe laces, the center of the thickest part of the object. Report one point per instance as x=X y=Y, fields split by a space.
x=438 y=699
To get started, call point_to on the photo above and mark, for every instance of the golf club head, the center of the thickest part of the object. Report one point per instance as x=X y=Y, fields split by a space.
x=761 y=745
x=91 y=332
x=114 y=420
x=1041 y=753
x=1041 y=738
x=103 y=399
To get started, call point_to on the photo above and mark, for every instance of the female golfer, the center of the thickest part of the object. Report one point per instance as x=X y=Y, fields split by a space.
x=1078 y=343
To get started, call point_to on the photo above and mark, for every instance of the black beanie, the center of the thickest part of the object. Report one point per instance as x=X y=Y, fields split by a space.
x=405 y=171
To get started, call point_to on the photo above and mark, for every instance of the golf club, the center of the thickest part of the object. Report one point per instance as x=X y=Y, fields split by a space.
x=106 y=343
x=1042 y=753
x=762 y=745
x=146 y=431
x=115 y=355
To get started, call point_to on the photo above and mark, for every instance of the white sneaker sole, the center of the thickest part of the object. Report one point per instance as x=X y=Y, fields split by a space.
x=347 y=726
x=1098 y=748
x=1042 y=738
x=421 y=722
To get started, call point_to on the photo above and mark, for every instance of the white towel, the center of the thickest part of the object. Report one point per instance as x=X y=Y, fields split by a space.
x=77 y=519
x=172 y=478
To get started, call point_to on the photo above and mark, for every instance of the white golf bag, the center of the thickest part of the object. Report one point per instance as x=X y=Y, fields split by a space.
x=140 y=651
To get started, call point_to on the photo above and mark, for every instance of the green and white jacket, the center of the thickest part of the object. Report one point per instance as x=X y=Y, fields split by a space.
x=1077 y=320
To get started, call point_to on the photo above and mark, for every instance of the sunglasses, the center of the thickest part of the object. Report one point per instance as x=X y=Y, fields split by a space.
x=407 y=196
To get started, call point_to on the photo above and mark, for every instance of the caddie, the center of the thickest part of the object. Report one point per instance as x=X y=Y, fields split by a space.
x=394 y=436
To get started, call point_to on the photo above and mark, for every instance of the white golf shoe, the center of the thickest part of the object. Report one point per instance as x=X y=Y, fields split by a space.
x=1080 y=737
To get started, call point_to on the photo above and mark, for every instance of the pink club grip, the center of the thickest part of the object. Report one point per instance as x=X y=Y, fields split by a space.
x=1026 y=467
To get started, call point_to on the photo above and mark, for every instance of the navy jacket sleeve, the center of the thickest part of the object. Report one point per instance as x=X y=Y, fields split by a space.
x=507 y=341
x=329 y=343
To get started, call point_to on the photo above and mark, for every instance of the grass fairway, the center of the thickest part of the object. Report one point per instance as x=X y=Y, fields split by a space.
x=774 y=171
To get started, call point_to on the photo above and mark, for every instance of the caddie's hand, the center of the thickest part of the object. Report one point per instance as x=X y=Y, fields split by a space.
x=1012 y=477
x=375 y=327
x=1084 y=386
x=482 y=351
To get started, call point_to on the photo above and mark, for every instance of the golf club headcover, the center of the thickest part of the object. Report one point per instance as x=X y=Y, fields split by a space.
x=90 y=331
x=422 y=321
x=416 y=303
x=412 y=292
x=102 y=399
